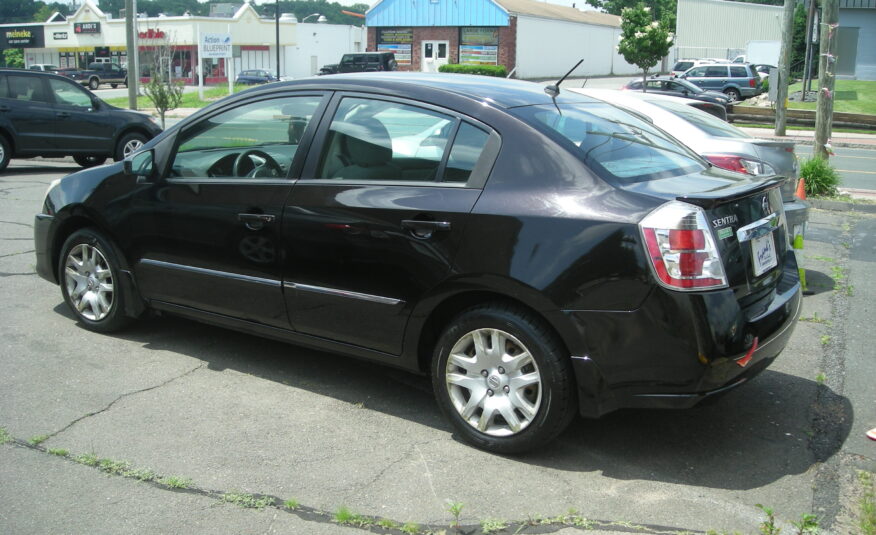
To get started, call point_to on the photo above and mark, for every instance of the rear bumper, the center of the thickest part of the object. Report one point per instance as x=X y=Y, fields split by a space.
x=678 y=349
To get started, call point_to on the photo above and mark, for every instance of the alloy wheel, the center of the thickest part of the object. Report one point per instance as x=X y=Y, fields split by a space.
x=131 y=147
x=493 y=382
x=89 y=282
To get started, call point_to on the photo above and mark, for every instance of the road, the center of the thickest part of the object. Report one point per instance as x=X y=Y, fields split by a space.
x=857 y=167
x=242 y=418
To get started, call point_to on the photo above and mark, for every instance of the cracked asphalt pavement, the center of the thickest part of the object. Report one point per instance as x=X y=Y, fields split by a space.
x=233 y=413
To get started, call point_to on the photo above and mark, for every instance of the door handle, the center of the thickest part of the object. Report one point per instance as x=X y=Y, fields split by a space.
x=424 y=229
x=62 y=114
x=4 y=108
x=256 y=221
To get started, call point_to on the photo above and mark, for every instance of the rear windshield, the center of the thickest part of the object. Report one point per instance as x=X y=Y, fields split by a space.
x=704 y=121
x=616 y=145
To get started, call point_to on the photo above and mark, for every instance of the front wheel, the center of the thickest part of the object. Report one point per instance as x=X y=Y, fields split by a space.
x=5 y=152
x=90 y=281
x=503 y=379
x=733 y=94
x=129 y=144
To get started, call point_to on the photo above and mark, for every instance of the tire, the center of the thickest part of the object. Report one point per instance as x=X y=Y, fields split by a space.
x=5 y=152
x=89 y=161
x=114 y=85
x=733 y=94
x=93 y=84
x=129 y=144
x=125 y=83
x=533 y=395
x=91 y=283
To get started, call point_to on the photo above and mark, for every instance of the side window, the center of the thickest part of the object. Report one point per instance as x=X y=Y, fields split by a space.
x=716 y=72
x=27 y=88
x=258 y=140
x=699 y=71
x=67 y=94
x=380 y=140
x=738 y=72
x=347 y=59
x=467 y=147
x=4 y=89
x=654 y=85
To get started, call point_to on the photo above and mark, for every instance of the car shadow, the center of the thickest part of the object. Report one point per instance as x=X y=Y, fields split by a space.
x=29 y=167
x=818 y=282
x=745 y=439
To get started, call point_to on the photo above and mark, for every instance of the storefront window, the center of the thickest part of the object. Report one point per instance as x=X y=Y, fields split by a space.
x=479 y=46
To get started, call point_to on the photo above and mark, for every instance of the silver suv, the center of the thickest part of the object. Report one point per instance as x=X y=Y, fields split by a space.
x=734 y=80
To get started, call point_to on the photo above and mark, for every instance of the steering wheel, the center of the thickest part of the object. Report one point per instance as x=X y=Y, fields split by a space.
x=260 y=161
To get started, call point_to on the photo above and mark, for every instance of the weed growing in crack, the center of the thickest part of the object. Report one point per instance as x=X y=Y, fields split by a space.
x=815 y=319
x=88 y=459
x=291 y=503
x=247 y=501
x=4 y=436
x=386 y=523
x=492 y=525
x=411 y=528
x=867 y=505
x=143 y=474
x=808 y=524
x=768 y=526
x=347 y=517
x=455 y=508
x=38 y=439
x=820 y=378
x=825 y=339
x=176 y=482
x=113 y=467
x=58 y=451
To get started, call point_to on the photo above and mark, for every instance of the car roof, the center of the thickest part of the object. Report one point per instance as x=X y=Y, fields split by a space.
x=501 y=92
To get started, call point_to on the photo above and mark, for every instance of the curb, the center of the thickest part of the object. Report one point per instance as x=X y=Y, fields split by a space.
x=841 y=206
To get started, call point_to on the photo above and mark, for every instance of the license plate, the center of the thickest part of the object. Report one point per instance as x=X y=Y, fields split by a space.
x=763 y=254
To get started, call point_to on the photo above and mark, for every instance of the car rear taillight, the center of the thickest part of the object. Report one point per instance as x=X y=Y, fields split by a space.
x=681 y=248
x=751 y=82
x=739 y=164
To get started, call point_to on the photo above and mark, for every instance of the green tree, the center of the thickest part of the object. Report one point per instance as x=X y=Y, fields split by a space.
x=644 y=41
x=14 y=57
x=43 y=13
x=662 y=10
x=164 y=93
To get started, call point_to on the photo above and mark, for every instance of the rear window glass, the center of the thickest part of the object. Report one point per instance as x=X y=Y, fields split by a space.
x=616 y=145
x=706 y=122
x=738 y=72
x=716 y=72
x=683 y=66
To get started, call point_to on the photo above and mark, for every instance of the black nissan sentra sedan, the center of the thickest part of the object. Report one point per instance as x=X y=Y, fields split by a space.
x=536 y=256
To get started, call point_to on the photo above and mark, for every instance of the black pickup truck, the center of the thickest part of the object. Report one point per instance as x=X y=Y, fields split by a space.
x=98 y=73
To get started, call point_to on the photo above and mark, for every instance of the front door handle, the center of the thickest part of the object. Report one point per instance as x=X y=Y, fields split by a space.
x=62 y=114
x=256 y=221
x=424 y=229
x=4 y=108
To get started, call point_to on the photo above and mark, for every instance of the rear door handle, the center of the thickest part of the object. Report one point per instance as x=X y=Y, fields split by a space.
x=424 y=229
x=62 y=114
x=256 y=221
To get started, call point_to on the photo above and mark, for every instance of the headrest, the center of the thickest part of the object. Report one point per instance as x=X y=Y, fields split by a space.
x=367 y=142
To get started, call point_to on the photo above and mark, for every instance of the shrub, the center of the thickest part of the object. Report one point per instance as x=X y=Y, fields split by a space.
x=821 y=178
x=484 y=70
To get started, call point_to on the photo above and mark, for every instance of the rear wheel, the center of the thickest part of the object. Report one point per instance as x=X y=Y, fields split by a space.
x=129 y=144
x=114 y=85
x=503 y=379
x=89 y=161
x=733 y=94
x=93 y=84
x=5 y=153
x=90 y=281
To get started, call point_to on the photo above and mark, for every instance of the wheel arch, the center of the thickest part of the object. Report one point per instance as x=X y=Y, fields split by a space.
x=10 y=140
x=433 y=313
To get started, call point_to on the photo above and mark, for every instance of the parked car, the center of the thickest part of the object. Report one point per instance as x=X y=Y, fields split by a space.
x=734 y=80
x=683 y=65
x=536 y=256
x=676 y=87
x=255 y=76
x=721 y=143
x=98 y=73
x=362 y=62
x=44 y=114
x=44 y=67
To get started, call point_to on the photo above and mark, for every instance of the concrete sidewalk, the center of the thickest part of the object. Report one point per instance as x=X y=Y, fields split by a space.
x=807 y=137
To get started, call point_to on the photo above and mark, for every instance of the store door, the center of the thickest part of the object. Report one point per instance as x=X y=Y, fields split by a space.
x=434 y=55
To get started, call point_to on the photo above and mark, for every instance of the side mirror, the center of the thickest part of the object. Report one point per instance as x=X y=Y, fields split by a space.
x=140 y=165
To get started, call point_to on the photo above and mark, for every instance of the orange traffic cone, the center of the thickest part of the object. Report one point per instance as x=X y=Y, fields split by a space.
x=801 y=189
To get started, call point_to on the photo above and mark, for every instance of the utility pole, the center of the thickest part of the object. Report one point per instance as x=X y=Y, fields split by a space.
x=826 y=68
x=810 y=39
x=784 y=67
x=131 y=52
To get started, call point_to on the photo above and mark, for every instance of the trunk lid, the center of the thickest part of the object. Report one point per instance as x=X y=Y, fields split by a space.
x=781 y=157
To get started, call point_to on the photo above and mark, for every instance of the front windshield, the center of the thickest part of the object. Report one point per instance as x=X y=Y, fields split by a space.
x=615 y=144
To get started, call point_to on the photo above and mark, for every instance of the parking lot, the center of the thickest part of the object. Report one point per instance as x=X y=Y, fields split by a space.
x=219 y=421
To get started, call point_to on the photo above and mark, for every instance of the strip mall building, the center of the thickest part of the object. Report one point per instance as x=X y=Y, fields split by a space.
x=91 y=35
